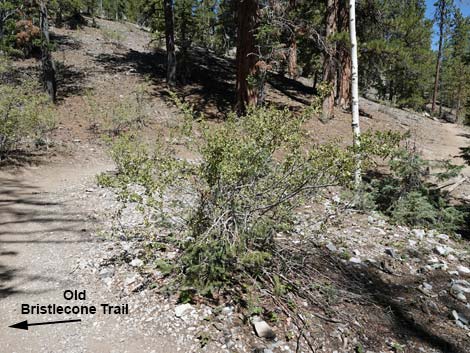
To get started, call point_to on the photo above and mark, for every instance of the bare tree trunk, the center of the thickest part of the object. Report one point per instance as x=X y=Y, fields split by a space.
x=355 y=93
x=442 y=8
x=48 y=67
x=246 y=57
x=292 y=58
x=329 y=64
x=292 y=54
x=170 y=43
x=343 y=93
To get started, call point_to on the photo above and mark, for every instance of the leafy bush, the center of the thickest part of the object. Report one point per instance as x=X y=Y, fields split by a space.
x=25 y=113
x=114 y=118
x=255 y=172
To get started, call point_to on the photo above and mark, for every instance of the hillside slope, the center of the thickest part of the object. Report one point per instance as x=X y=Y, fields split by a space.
x=385 y=285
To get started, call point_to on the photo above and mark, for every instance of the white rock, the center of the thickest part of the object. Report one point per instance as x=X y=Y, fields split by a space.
x=355 y=260
x=137 y=263
x=330 y=246
x=442 y=250
x=419 y=233
x=182 y=308
x=106 y=272
x=463 y=270
x=443 y=237
x=262 y=329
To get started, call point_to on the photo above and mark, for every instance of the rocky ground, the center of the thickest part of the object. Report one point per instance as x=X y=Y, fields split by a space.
x=378 y=287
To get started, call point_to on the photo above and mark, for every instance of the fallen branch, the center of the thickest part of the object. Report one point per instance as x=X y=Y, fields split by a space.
x=453 y=185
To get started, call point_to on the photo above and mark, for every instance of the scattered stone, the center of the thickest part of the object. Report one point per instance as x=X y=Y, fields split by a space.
x=463 y=270
x=460 y=296
x=137 y=263
x=460 y=286
x=412 y=243
x=442 y=250
x=182 y=308
x=460 y=320
x=262 y=329
x=426 y=288
x=107 y=272
x=355 y=260
x=330 y=246
x=443 y=237
x=391 y=252
x=440 y=266
x=419 y=233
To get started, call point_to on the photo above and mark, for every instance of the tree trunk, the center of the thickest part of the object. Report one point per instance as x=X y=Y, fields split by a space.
x=343 y=94
x=329 y=64
x=48 y=67
x=292 y=53
x=247 y=94
x=170 y=43
x=292 y=58
x=355 y=93
x=442 y=7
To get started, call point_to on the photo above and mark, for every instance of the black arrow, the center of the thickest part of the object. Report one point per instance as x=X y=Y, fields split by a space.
x=23 y=325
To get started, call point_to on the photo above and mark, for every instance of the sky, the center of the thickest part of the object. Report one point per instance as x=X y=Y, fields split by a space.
x=463 y=5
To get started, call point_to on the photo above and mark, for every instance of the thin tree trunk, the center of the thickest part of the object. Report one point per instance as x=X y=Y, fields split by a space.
x=441 y=9
x=292 y=54
x=329 y=65
x=355 y=93
x=292 y=58
x=247 y=94
x=343 y=94
x=170 y=43
x=48 y=67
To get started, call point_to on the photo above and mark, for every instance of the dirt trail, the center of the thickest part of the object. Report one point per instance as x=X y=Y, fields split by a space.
x=47 y=215
x=50 y=214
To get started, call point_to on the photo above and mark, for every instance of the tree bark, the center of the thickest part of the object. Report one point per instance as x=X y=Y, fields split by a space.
x=292 y=58
x=292 y=53
x=248 y=20
x=355 y=93
x=442 y=8
x=343 y=93
x=329 y=64
x=48 y=67
x=170 y=43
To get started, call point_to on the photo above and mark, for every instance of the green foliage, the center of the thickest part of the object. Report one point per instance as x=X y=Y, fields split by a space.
x=25 y=113
x=396 y=56
x=115 y=118
x=254 y=172
x=406 y=195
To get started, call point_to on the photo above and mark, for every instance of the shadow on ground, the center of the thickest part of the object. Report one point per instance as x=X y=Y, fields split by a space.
x=28 y=225
x=205 y=80
x=380 y=301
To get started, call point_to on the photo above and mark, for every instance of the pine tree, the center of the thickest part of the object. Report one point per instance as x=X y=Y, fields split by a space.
x=455 y=68
x=48 y=67
x=248 y=21
x=170 y=43
x=442 y=16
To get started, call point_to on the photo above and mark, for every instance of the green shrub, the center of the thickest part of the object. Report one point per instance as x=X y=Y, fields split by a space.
x=408 y=197
x=255 y=171
x=25 y=114
x=123 y=116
